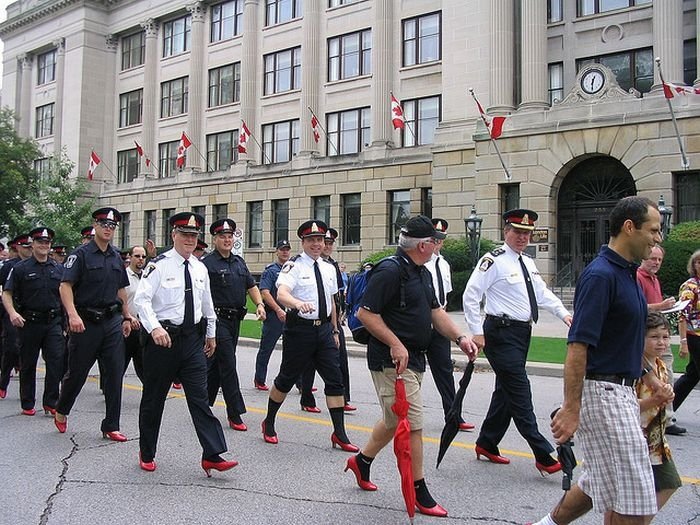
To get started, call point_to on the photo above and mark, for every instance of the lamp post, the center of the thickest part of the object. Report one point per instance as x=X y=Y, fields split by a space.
x=473 y=226
x=666 y=214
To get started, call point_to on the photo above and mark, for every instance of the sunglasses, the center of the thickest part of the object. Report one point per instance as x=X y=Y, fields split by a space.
x=108 y=224
x=139 y=256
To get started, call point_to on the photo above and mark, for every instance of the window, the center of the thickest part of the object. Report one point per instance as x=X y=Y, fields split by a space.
x=509 y=197
x=222 y=150
x=127 y=165
x=125 y=231
x=554 y=11
x=351 y=218
x=633 y=69
x=255 y=224
x=130 y=108
x=421 y=39
x=280 y=220
x=173 y=97
x=226 y=20
x=321 y=208
x=46 y=63
x=426 y=201
x=167 y=238
x=167 y=156
x=219 y=211
x=133 y=50
x=348 y=131
x=149 y=225
x=176 y=36
x=201 y=210
x=690 y=65
x=556 y=82
x=335 y=3
x=278 y=11
x=687 y=206
x=225 y=85
x=42 y=167
x=283 y=71
x=280 y=141
x=350 y=55
x=590 y=7
x=422 y=118
x=44 y=121
x=399 y=213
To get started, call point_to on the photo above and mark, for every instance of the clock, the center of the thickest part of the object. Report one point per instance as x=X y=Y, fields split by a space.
x=592 y=81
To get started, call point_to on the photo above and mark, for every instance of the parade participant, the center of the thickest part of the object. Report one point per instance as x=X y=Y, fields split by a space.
x=275 y=314
x=230 y=280
x=201 y=249
x=175 y=308
x=87 y=234
x=133 y=347
x=399 y=309
x=94 y=297
x=58 y=253
x=306 y=286
x=514 y=291
x=32 y=303
x=439 y=356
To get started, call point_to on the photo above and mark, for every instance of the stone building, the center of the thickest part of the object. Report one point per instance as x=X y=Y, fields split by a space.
x=587 y=122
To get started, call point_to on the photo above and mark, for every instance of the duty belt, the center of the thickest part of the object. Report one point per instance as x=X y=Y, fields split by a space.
x=97 y=315
x=311 y=322
x=41 y=317
x=231 y=314
x=504 y=320
x=611 y=378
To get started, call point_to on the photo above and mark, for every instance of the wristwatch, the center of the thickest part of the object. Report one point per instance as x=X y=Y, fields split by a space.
x=336 y=332
x=459 y=339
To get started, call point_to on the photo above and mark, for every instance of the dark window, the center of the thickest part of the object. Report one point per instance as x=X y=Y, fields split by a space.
x=173 y=97
x=590 y=7
x=351 y=207
x=255 y=224
x=426 y=202
x=510 y=197
x=687 y=206
x=42 y=167
x=130 y=108
x=127 y=165
x=280 y=220
x=222 y=150
x=149 y=225
x=554 y=11
x=322 y=208
x=633 y=69
x=350 y=55
x=133 y=50
x=283 y=71
x=278 y=11
x=280 y=141
x=44 y=121
x=176 y=36
x=690 y=64
x=421 y=39
x=167 y=238
x=422 y=117
x=335 y=3
x=399 y=213
x=201 y=210
x=167 y=157
x=226 y=20
x=46 y=64
x=225 y=85
x=125 y=231
x=348 y=131
x=219 y=211
x=556 y=82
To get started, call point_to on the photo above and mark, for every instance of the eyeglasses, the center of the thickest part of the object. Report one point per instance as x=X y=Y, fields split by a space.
x=139 y=256
x=108 y=224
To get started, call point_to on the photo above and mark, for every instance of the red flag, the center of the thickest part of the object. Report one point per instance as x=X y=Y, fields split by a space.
x=397 y=118
x=139 y=149
x=494 y=125
x=92 y=165
x=314 y=125
x=181 y=149
x=670 y=90
x=148 y=162
x=243 y=137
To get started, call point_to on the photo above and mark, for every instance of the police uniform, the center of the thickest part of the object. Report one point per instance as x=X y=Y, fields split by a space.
x=33 y=288
x=507 y=330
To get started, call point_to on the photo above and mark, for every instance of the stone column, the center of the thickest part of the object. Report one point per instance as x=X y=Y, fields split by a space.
x=310 y=78
x=24 y=107
x=667 y=26
x=534 y=55
x=195 y=108
x=502 y=69
x=382 y=67
x=110 y=95
x=150 y=94
x=58 y=105
x=249 y=77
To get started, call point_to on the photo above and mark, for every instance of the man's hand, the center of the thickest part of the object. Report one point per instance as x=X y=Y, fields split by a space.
x=161 y=337
x=151 y=250
x=667 y=303
x=260 y=312
x=17 y=320
x=306 y=308
x=135 y=324
x=126 y=327
x=564 y=424
x=568 y=320
x=75 y=323
x=210 y=346
x=281 y=315
x=469 y=347
x=399 y=356
x=479 y=341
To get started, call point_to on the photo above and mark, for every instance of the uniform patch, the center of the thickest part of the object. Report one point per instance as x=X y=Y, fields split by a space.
x=486 y=263
x=70 y=261
x=149 y=270
x=287 y=267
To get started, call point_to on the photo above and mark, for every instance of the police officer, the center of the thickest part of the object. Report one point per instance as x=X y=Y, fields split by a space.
x=230 y=280
x=87 y=234
x=94 y=297
x=58 y=253
x=514 y=290
x=175 y=308
x=133 y=348
x=32 y=302
x=306 y=286
x=201 y=249
x=275 y=314
x=439 y=353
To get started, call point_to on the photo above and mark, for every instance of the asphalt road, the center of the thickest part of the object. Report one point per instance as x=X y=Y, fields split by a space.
x=80 y=478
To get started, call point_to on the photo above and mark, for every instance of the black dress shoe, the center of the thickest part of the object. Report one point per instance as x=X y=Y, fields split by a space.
x=675 y=430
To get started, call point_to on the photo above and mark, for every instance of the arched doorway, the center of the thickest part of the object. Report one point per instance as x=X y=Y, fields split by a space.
x=587 y=195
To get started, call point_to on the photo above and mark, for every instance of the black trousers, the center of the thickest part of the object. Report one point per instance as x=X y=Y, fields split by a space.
x=306 y=381
x=441 y=368
x=506 y=349
x=221 y=368
x=133 y=350
x=10 y=351
x=102 y=342
x=47 y=337
x=185 y=360
x=271 y=332
x=684 y=385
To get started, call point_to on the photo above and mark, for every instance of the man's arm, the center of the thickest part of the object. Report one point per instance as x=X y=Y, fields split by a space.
x=254 y=293
x=377 y=327
x=270 y=301
x=126 y=323
x=75 y=323
x=566 y=420
x=15 y=318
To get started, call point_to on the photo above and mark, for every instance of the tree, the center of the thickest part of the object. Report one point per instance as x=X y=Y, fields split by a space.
x=17 y=176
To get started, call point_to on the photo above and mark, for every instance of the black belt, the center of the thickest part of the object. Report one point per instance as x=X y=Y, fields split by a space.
x=311 y=322
x=504 y=320
x=43 y=317
x=231 y=314
x=97 y=315
x=611 y=378
x=175 y=330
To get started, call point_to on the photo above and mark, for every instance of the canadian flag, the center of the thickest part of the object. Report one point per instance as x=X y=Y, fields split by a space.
x=494 y=124
x=92 y=165
x=139 y=149
x=243 y=137
x=397 y=118
x=314 y=125
x=181 y=149
x=670 y=90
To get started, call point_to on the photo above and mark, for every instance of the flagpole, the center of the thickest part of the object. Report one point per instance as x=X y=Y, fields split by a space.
x=261 y=148
x=685 y=164
x=200 y=154
x=324 y=130
x=493 y=141
x=405 y=122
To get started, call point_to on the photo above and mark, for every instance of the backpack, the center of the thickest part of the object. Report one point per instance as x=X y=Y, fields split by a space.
x=353 y=299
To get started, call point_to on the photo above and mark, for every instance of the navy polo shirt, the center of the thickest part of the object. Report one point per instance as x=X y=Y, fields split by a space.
x=610 y=314
x=229 y=278
x=97 y=276
x=269 y=278
x=34 y=285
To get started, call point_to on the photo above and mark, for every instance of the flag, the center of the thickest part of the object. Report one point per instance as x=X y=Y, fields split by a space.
x=397 y=118
x=139 y=149
x=92 y=165
x=148 y=162
x=181 y=149
x=494 y=125
x=314 y=125
x=670 y=90
x=243 y=137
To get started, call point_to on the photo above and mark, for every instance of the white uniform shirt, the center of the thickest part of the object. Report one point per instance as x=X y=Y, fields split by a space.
x=134 y=280
x=160 y=295
x=446 y=273
x=299 y=277
x=500 y=278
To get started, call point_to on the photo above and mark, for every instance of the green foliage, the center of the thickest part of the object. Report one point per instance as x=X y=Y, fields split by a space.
x=375 y=257
x=685 y=231
x=17 y=176
x=673 y=270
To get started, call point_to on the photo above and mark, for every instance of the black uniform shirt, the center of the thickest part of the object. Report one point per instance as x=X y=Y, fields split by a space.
x=34 y=285
x=97 y=276
x=5 y=269
x=229 y=278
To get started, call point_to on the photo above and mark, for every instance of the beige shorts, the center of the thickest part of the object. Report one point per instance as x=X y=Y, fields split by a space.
x=385 y=385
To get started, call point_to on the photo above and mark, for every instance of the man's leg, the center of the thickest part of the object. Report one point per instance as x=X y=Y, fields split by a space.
x=271 y=332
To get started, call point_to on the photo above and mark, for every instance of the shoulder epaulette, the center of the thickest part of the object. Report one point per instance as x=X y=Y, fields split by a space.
x=497 y=251
x=157 y=258
x=152 y=265
x=295 y=257
x=527 y=255
x=270 y=265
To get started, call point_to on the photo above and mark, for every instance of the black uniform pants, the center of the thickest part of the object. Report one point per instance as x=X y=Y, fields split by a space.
x=102 y=342
x=221 y=368
x=10 y=351
x=506 y=349
x=47 y=337
x=306 y=382
x=185 y=360
x=684 y=385
x=133 y=350
x=441 y=368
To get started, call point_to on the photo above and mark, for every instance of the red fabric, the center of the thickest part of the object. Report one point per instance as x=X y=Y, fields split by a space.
x=181 y=149
x=670 y=90
x=92 y=165
x=494 y=125
x=314 y=125
x=243 y=137
x=402 y=447
x=139 y=149
x=397 y=118
x=651 y=287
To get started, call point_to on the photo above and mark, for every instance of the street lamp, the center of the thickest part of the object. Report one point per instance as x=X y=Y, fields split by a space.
x=473 y=227
x=666 y=214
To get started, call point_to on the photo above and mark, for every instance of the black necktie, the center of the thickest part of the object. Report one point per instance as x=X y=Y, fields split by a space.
x=441 y=287
x=189 y=297
x=530 y=290
x=322 y=308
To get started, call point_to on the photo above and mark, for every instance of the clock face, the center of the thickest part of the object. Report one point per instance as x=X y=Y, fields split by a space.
x=592 y=81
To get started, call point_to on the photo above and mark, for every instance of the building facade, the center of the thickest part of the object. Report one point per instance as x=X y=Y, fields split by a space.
x=587 y=122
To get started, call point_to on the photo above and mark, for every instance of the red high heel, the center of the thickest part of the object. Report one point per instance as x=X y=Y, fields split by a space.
x=49 y=410
x=493 y=458
x=349 y=408
x=148 y=466
x=352 y=465
x=437 y=511
x=221 y=466
x=177 y=386
x=3 y=393
x=241 y=427
x=261 y=386
x=313 y=410
x=28 y=411
x=547 y=469
x=464 y=426
x=269 y=439
x=60 y=425
x=115 y=435
x=347 y=447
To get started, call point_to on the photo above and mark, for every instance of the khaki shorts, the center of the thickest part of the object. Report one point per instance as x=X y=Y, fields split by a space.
x=385 y=385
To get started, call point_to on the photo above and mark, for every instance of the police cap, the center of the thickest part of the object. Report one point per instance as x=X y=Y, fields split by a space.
x=312 y=228
x=222 y=226
x=420 y=227
x=42 y=234
x=107 y=215
x=521 y=219
x=441 y=225
x=187 y=222
x=283 y=244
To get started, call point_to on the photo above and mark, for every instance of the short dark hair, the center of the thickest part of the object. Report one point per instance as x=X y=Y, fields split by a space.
x=657 y=320
x=634 y=208
x=131 y=250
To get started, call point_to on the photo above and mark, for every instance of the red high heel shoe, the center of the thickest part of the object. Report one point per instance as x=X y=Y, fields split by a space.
x=221 y=466
x=177 y=386
x=60 y=425
x=547 y=469
x=437 y=511
x=364 y=485
x=148 y=466
x=261 y=386
x=49 y=410
x=115 y=435
x=28 y=411
x=3 y=393
x=464 y=426
x=493 y=458
x=269 y=439
x=241 y=427
x=347 y=447
x=313 y=410
x=349 y=408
